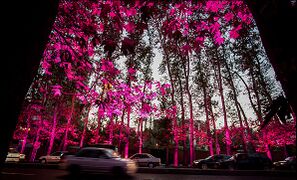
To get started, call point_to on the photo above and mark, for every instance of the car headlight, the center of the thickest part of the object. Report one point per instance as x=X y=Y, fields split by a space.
x=22 y=156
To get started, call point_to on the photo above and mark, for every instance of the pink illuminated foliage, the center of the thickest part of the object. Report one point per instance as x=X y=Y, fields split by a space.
x=81 y=60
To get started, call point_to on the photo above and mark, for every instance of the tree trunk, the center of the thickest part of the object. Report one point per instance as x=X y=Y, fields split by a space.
x=210 y=143
x=185 y=149
x=191 y=129
x=173 y=102
x=68 y=123
x=218 y=149
x=53 y=133
x=36 y=145
x=259 y=112
x=121 y=131
x=110 y=138
x=227 y=131
x=86 y=120
x=234 y=93
x=97 y=133
x=140 y=136
x=128 y=126
x=206 y=110
x=27 y=129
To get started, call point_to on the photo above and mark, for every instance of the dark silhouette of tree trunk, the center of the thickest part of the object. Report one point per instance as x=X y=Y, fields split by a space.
x=128 y=126
x=218 y=149
x=185 y=149
x=68 y=122
x=274 y=20
x=34 y=19
x=186 y=68
x=204 y=85
x=234 y=93
x=86 y=120
x=226 y=128
x=53 y=132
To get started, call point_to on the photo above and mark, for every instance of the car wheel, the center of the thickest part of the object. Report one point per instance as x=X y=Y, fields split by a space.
x=74 y=170
x=204 y=166
x=43 y=161
x=231 y=167
x=150 y=165
x=118 y=171
x=266 y=167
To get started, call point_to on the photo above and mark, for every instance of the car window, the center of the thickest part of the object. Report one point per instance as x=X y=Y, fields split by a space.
x=242 y=156
x=100 y=154
x=84 y=153
x=56 y=154
x=218 y=157
x=209 y=157
x=111 y=153
x=227 y=157
x=12 y=150
x=151 y=156
x=136 y=156
x=144 y=156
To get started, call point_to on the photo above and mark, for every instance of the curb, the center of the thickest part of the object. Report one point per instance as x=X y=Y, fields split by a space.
x=162 y=170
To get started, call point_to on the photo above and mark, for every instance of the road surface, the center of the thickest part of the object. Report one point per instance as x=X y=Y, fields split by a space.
x=55 y=174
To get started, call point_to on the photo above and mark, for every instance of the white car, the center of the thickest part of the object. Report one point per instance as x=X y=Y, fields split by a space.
x=146 y=160
x=14 y=156
x=55 y=157
x=98 y=160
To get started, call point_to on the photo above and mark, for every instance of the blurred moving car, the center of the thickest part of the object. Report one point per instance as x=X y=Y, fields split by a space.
x=255 y=161
x=287 y=164
x=98 y=160
x=55 y=157
x=14 y=156
x=146 y=160
x=211 y=161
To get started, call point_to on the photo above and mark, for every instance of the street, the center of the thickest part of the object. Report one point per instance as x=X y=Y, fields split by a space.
x=55 y=174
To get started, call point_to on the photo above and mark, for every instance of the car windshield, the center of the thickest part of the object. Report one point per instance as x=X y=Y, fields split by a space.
x=209 y=157
x=288 y=158
x=111 y=153
x=12 y=150
x=151 y=156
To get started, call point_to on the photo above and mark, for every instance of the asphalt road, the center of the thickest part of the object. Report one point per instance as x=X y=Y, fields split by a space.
x=55 y=174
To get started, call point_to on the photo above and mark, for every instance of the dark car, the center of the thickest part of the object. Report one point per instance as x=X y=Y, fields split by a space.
x=287 y=164
x=211 y=161
x=255 y=161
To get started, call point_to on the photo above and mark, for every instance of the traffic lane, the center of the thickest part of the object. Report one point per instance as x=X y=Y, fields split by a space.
x=54 y=174
x=30 y=174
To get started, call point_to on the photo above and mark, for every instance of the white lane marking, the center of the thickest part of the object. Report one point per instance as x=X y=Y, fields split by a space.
x=9 y=173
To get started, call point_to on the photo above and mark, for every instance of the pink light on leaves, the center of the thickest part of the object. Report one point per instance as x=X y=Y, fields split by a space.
x=130 y=27
x=56 y=89
x=234 y=32
x=228 y=16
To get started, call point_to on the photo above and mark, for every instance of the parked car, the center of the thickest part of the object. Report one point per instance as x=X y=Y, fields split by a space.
x=146 y=160
x=55 y=157
x=14 y=156
x=98 y=160
x=254 y=161
x=287 y=164
x=211 y=161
